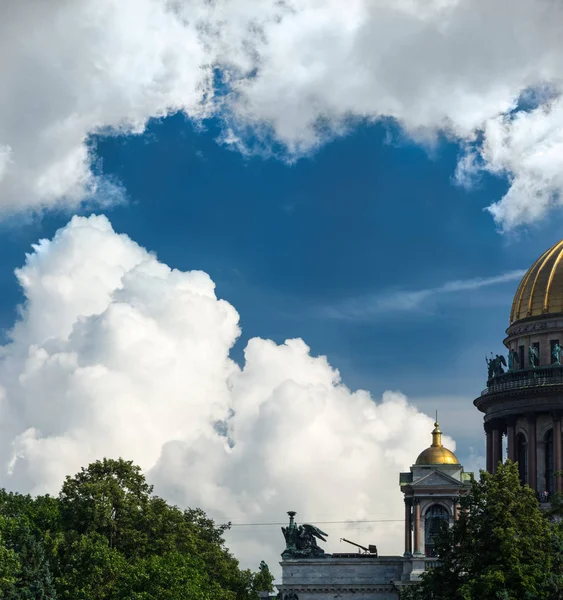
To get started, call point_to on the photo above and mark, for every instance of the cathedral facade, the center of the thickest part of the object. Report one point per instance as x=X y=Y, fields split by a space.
x=522 y=408
x=431 y=488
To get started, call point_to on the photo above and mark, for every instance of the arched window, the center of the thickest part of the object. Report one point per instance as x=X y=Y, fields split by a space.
x=522 y=457
x=434 y=517
x=549 y=479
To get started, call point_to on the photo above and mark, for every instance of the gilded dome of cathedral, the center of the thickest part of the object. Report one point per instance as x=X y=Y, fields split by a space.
x=436 y=454
x=541 y=290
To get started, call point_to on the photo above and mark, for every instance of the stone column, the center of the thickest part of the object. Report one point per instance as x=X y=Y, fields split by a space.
x=408 y=527
x=416 y=526
x=497 y=446
x=456 y=511
x=489 y=438
x=557 y=451
x=511 y=439
x=532 y=453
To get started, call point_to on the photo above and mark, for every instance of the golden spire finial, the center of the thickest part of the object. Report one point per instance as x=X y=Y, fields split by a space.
x=436 y=434
x=436 y=454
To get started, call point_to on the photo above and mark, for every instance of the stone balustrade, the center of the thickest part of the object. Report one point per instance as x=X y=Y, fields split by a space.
x=523 y=378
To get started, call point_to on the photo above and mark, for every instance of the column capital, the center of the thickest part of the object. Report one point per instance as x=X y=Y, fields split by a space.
x=408 y=500
x=556 y=415
x=494 y=425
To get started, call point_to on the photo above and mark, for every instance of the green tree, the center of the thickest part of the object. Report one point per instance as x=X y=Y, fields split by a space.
x=263 y=580
x=501 y=547
x=106 y=537
x=119 y=541
x=220 y=564
x=89 y=568
x=173 y=576
x=9 y=563
x=109 y=498
x=33 y=577
x=26 y=525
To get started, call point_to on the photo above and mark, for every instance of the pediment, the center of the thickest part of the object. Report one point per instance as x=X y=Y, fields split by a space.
x=436 y=479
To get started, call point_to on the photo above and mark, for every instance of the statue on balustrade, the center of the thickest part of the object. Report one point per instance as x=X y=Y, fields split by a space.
x=512 y=359
x=301 y=541
x=489 y=368
x=556 y=354
x=495 y=366
x=533 y=356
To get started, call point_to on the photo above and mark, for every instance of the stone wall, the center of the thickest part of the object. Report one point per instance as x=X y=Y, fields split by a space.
x=353 y=577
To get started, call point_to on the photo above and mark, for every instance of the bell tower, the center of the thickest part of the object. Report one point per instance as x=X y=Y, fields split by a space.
x=431 y=489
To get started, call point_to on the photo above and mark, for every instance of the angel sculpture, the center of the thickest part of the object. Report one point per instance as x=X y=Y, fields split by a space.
x=533 y=356
x=556 y=353
x=513 y=359
x=499 y=362
x=301 y=541
x=495 y=366
x=490 y=366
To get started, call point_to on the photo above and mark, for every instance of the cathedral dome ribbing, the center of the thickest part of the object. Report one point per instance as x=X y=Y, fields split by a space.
x=541 y=290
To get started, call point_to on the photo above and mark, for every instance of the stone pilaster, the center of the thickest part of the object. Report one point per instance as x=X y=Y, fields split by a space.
x=532 y=453
x=416 y=527
x=489 y=440
x=557 y=458
x=497 y=446
x=408 y=526
x=511 y=439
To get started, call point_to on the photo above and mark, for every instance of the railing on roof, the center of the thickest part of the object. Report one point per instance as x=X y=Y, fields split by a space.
x=523 y=378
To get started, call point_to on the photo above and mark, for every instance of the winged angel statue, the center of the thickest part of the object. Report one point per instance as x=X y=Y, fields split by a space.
x=495 y=366
x=301 y=540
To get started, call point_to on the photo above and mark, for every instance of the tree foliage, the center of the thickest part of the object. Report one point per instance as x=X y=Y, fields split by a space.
x=107 y=536
x=264 y=580
x=9 y=563
x=502 y=547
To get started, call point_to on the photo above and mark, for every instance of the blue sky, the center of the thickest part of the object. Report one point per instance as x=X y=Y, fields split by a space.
x=386 y=129
x=365 y=220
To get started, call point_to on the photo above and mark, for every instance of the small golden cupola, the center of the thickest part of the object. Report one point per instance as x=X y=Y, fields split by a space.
x=437 y=454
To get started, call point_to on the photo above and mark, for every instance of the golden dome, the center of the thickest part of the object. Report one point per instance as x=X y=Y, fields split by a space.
x=541 y=290
x=437 y=454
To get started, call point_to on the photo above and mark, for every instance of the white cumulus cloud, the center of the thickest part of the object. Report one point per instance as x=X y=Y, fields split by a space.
x=528 y=149
x=300 y=71
x=72 y=69
x=115 y=354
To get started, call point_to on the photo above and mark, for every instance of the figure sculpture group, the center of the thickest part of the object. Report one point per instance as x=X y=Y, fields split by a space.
x=301 y=540
x=495 y=365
